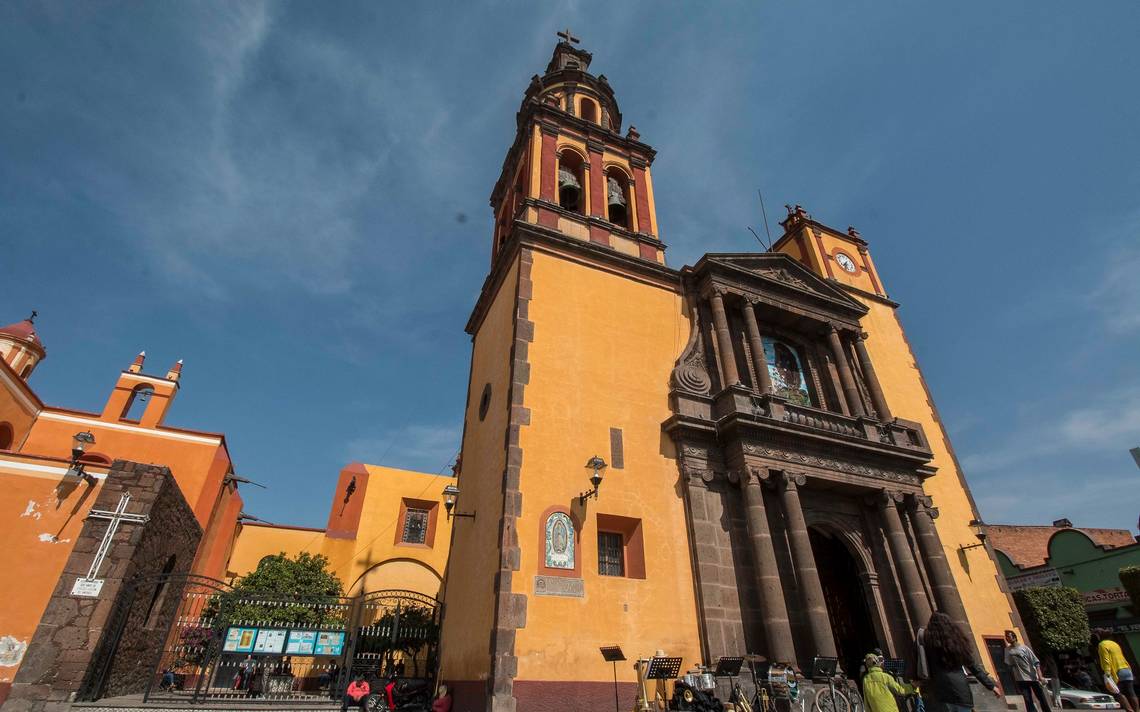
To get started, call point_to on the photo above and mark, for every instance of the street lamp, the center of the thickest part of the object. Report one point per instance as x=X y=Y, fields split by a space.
x=596 y=464
x=79 y=444
x=979 y=528
x=450 y=495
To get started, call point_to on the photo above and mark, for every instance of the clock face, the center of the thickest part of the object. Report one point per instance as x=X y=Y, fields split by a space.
x=845 y=262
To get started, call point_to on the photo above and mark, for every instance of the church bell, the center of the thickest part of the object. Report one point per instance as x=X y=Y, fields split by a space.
x=569 y=189
x=616 y=202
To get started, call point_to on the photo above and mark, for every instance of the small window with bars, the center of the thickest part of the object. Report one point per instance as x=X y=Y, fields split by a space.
x=415 y=526
x=611 y=554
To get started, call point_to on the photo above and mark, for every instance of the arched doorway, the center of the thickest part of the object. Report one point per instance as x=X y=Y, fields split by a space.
x=847 y=607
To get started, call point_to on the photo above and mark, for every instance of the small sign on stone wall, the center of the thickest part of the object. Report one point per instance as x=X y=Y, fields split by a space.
x=559 y=586
x=87 y=587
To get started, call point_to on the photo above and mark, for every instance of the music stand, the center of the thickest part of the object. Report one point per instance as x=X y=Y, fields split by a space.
x=894 y=666
x=823 y=668
x=663 y=668
x=614 y=655
x=728 y=667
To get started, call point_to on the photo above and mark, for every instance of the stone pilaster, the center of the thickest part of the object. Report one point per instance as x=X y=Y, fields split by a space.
x=850 y=391
x=773 y=609
x=914 y=595
x=878 y=399
x=764 y=380
x=941 y=579
x=730 y=377
x=811 y=590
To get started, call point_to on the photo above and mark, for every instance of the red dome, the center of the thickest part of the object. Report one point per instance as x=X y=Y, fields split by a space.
x=24 y=330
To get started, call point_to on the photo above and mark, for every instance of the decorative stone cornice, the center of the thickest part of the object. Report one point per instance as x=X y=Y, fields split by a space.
x=830 y=463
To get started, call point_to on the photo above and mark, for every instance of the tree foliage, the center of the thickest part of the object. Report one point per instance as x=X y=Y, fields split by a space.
x=1130 y=579
x=281 y=591
x=1055 y=618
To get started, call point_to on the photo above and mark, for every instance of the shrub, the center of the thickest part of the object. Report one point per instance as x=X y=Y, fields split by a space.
x=1130 y=578
x=1055 y=618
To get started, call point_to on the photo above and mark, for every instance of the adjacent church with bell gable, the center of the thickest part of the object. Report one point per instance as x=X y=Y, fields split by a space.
x=777 y=480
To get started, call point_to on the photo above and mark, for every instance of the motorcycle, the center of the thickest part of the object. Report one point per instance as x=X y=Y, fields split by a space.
x=400 y=695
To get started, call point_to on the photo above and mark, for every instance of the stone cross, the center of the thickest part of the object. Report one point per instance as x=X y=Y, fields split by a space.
x=116 y=517
x=568 y=36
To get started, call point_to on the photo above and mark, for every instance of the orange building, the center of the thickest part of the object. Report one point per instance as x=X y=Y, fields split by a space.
x=44 y=503
x=386 y=530
x=779 y=481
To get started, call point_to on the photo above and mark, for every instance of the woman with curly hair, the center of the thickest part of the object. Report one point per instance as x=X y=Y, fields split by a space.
x=947 y=651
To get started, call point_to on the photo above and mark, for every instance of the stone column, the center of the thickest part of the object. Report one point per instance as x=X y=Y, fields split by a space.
x=913 y=593
x=941 y=579
x=764 y=381
x=877 y=398
x=854 y=402
x=773 y=610
x=811 y=591
x=724 y=341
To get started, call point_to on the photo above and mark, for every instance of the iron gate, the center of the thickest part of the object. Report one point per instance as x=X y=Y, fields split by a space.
x=190 y=638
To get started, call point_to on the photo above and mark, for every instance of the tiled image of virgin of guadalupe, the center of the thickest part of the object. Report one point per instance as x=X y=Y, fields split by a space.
x=786 y=371
x=559 y=541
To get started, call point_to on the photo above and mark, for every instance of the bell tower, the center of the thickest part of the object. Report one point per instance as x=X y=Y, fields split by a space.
x=571 y=170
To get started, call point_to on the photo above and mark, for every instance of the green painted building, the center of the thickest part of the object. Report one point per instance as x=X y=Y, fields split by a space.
x=1088 y=560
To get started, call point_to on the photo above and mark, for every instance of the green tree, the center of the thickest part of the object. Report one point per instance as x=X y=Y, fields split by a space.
x=1055 y=618
x=1130 y=579
x=281 y=591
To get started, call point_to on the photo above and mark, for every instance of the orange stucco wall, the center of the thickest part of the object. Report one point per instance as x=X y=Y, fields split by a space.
x=469 y=593
x=38 y=533
x=373 y=558
x=603 y=346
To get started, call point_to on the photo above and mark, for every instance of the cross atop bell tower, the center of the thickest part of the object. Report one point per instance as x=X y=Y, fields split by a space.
x=571 y=174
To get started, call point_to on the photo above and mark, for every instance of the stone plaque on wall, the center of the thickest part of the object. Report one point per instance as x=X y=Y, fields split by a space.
x=559 y=586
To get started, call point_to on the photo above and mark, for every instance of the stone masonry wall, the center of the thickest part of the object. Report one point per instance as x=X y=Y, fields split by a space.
x=74 y=634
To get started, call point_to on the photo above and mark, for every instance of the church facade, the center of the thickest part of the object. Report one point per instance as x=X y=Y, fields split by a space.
x=777 y=480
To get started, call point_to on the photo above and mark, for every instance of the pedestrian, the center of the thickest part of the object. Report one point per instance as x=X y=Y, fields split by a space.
x=1117 y=673
x=880 y=687
x=442 y=702
x=357 y=693
x=1026 y=670
x=944 y=650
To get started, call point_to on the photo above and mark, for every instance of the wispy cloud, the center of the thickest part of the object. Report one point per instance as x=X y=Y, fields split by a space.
x=1064 y=428
x=427 y=448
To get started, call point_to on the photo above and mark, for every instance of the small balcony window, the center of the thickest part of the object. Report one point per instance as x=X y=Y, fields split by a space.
x=415 y=526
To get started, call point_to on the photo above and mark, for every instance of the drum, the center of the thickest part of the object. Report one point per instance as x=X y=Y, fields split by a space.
x=692 y=679
x=708 y=682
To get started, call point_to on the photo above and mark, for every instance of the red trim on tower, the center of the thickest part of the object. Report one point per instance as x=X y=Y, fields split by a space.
x=870 y=272
x=643 y=223
x=823 y=256
x=548 y=180
x=597 y=188
x=599 y=235
x=648 y=252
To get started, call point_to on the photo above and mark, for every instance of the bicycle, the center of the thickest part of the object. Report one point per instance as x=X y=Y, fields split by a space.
x=831 y=698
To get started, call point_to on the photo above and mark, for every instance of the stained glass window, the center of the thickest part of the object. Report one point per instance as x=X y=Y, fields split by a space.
x=785 y=367
x=415 y=526
x=611 y=554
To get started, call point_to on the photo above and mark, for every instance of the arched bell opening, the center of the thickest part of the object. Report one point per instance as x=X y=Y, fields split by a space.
x=589 y=111
x=617 y=198
x=570 y=181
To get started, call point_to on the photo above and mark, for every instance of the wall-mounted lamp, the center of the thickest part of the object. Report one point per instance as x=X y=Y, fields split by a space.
x=79 y=444
x=596 y=464
x=450 y=495
x=979 y=528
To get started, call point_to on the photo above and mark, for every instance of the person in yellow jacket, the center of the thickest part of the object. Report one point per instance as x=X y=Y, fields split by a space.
x=1116 y=669
x=880 y=687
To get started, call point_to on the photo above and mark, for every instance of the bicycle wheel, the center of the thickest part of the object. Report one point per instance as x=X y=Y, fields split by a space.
x=854 y=698
x=830 y=700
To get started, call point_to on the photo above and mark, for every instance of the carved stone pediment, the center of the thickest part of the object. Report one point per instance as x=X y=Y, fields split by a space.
x=778 y=279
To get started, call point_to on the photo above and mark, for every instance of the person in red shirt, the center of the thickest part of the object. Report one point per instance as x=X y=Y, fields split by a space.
x=442 y=702
x=357 y=692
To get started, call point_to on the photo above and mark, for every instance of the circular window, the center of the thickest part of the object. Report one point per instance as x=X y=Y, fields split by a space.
x=485 y=401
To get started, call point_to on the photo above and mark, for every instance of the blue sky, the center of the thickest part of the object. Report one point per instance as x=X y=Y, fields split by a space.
x=293 y=198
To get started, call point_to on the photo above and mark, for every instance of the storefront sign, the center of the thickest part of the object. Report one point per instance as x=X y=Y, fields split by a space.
x=1106 y=596
x=1047 y=578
